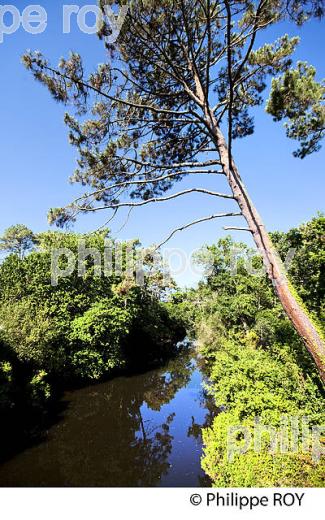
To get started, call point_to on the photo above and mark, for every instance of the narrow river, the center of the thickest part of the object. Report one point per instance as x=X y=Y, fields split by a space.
x=142 y=430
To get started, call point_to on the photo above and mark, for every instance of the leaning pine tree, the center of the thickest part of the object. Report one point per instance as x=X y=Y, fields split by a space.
x=176 y=90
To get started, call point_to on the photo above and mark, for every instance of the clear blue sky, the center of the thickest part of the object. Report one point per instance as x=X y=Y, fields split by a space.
x=36 y=158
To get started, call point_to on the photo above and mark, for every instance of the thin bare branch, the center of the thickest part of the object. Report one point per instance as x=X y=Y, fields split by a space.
x=195 y=222
x=230 y=228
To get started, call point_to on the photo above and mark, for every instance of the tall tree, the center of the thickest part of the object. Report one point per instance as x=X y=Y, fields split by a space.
x=173 y=95
x=17 y=239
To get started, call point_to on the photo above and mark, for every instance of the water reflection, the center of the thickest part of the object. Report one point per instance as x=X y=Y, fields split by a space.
x=142 y=430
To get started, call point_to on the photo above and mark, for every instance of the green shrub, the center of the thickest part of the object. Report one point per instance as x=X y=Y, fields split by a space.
x=40 y=389
x=254 y=468
x=248 y=382
x=97 y=339
x=90 y=365
x=34 y=335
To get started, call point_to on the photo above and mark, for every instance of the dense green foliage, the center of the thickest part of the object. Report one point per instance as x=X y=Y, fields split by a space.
x=256 y=363
x=81 y=329
x=87 y=327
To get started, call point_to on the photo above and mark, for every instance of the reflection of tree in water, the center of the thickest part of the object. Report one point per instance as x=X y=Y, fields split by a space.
x=103 y=439
x=130 y=450
x=154 y=448
x=207 y=403
x=195 y=430
x=168 y=380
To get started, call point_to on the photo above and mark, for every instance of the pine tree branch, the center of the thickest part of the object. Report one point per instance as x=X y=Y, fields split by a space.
x=154 y=199
x=125 y=184
x=195 y=222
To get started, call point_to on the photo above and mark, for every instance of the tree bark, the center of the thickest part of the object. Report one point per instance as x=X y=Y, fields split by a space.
x=272 y=262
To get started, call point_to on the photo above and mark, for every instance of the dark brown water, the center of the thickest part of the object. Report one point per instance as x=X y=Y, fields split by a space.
x=142 y=430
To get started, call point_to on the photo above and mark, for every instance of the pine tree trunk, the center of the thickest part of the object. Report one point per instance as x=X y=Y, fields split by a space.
x=273 y=264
